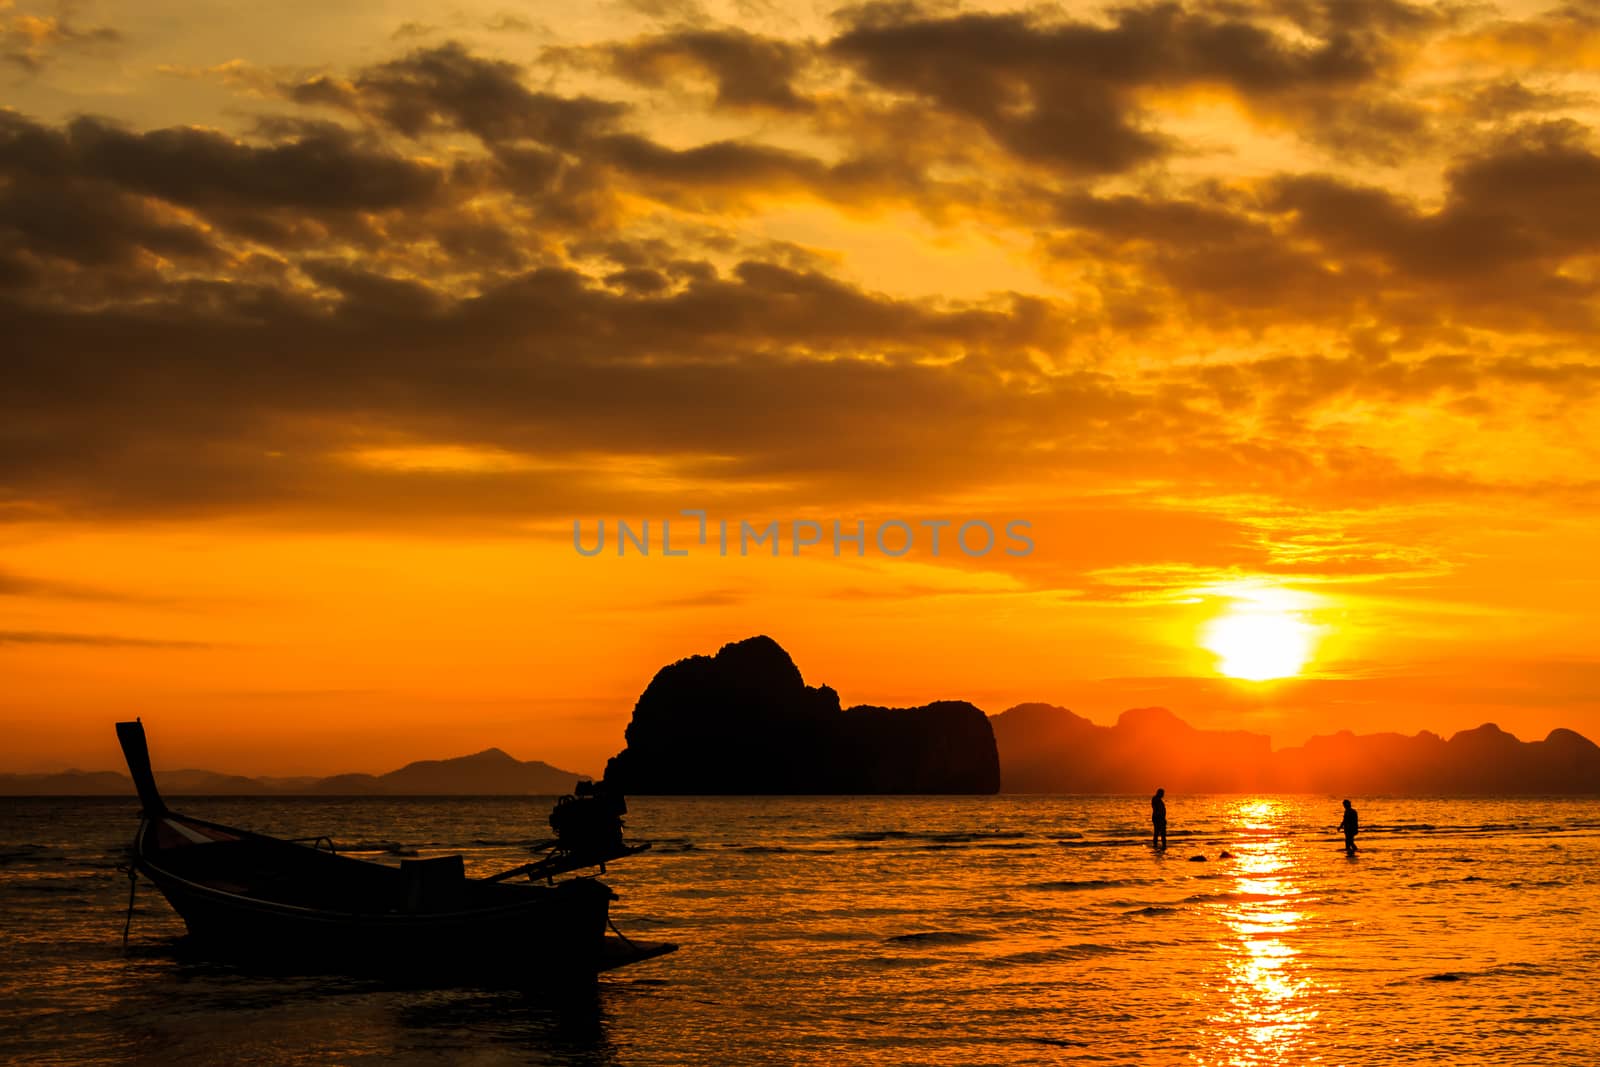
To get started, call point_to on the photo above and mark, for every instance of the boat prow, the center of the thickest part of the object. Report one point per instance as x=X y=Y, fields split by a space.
x=620 y=951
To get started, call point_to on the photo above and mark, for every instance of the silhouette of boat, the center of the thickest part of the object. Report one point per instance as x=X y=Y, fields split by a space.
x=247 y=895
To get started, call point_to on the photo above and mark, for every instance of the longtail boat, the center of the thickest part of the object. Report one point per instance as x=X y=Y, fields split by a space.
x=249 y=895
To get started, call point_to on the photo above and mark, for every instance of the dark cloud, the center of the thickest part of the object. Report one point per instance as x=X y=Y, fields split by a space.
x=748 y=71
x=411 y=31
x=448 y=88
x=201 y=324
x=1214 y=258
x=727 y=164
x=574 y=157
x=770 y=375
x=1011 y=77
x=89 y=226
x=640 y=281
x=97 y=194
x=767 y=386
x=1507 y=98
x=1546 y=176
x=1513 y=217
x=1066 y=93
x=324 y=169
x=1496 y=252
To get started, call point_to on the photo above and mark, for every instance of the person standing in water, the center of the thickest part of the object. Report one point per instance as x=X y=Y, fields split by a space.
x=1351 y=825
x=1158 y=819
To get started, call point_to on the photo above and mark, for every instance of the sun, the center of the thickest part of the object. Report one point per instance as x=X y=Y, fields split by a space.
x=1257 y=644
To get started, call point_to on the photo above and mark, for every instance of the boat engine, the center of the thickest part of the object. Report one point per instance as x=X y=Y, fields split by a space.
x=588 y=821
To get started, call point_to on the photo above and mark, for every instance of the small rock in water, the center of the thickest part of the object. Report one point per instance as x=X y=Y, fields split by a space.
x=1197 y=859
x=1225 y=855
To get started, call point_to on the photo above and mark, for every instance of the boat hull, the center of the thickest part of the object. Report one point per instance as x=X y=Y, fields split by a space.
x=568 y=929
x=247 y=895
x=534 y=931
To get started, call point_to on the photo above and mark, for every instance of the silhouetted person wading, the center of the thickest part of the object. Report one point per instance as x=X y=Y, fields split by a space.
x=1158 y=819
x=1351 y=826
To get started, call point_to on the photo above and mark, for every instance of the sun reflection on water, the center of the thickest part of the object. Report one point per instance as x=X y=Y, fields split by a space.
x=1267 y=1007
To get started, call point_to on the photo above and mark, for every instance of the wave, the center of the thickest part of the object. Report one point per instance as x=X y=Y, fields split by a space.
x=1058 y=954
x=54 y=886
x=1236 y=897
x=10 y=854
x=872 y=835
x=979 y=835
x=937 y=937
x=1499 y=970
x=1070 y=885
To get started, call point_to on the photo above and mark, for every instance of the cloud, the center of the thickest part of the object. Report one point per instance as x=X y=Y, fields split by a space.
x=1499 y=99
x=767 y=386
x=245 y=78
x=97 y=194
x=1220 y=259
x=730 y=375
x=1496 y=252
x=32 y=41
x=747 y=71
x=448 y=88
x=1505 y=249
x=1073 y=95
x=43 y=637
x=429 y=254
x=323 y=169
x=1566 y=36
x=20 y=585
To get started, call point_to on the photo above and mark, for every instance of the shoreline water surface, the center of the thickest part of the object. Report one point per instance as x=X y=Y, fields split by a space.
x=842 y=930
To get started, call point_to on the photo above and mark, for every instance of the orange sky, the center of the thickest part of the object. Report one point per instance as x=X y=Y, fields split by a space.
x=323 y=325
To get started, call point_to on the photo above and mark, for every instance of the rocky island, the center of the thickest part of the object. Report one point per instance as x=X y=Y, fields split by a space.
x=744 y=722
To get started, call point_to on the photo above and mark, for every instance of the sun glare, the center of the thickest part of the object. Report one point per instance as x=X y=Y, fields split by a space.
x=1257 y=644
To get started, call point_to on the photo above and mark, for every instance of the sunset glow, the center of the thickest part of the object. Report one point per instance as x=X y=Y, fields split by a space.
x=688 y=533
x=1256 y=645
x=1277 y=327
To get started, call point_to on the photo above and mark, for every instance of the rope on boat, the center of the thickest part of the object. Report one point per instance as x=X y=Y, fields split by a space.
x=133 y=885
x=612 y=923
x=316 y=842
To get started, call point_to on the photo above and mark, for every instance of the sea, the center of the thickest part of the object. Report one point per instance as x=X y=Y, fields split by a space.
x=875 y=930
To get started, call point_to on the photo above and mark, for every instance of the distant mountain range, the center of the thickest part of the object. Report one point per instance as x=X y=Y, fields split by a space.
x=744 y=722
x=1048 y=749
x=487 y=773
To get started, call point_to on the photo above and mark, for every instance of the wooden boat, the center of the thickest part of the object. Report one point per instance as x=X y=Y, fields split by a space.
x=249 y=895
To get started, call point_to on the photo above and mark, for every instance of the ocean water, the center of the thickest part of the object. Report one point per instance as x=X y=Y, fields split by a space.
x=983 y=930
